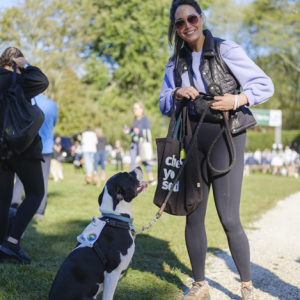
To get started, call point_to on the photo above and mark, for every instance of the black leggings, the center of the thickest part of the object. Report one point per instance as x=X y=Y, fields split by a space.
x=226 y=192
x=30 y=173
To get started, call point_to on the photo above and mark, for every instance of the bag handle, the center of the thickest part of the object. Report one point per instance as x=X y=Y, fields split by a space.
x=172 y=122
x=15 y=74
x=177 y=134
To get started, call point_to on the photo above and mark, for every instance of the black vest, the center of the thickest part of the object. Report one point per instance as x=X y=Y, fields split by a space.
x=212 y=67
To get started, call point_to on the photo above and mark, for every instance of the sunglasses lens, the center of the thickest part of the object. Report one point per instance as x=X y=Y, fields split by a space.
x=180 y=24
x=192 y=19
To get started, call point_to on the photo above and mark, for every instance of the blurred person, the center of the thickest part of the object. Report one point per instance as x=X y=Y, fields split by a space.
x=49 y=107
x=257 y=156
x=119 y=152
x=250 y=164
x=57 y=147
x=56 y=168
x=277 y=161
x=77 y=153
x=287 y=155
x=266 y=157
x=140 y=128
x=100 y=155
x=26 y=165
x=89 y=143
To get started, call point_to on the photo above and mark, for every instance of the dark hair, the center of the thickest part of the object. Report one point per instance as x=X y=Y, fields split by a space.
x=178 y=41
x=7 y=56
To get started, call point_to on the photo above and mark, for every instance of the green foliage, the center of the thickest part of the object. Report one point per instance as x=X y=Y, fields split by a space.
x=97 y=73
x=274 y=28
x=52 y=34
x=102 y=56
x=131 y=36
x=265 y=139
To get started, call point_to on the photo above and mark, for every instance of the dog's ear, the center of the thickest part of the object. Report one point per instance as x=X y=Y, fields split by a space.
x=100 y=197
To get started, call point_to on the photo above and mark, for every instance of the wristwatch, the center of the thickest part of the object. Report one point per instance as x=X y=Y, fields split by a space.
x=26 y=65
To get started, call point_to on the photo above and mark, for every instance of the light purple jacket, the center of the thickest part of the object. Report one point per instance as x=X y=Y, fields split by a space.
x=257 y=86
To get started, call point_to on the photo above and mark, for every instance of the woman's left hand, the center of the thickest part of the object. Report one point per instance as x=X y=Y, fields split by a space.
x=223 y=103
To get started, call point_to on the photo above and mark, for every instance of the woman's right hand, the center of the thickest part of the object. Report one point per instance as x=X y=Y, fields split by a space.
x=186 y=92
x=20 y=62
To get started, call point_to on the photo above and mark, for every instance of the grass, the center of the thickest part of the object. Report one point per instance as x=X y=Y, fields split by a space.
x=160 y=265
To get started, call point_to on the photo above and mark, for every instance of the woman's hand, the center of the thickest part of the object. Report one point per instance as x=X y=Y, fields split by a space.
x=20 y=62
x=186 y=92
x=227 y=102
x=223 y=103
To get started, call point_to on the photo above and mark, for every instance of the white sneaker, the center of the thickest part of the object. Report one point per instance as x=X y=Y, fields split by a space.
x=153 y=182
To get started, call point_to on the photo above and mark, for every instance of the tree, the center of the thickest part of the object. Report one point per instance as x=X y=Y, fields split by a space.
x=131 y=38
x=274 y=27
x=53 y=35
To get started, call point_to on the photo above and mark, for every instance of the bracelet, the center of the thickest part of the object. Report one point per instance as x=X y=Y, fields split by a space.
x=235 y=102
x=26 y=65
x=238 y=102
x=174 y=93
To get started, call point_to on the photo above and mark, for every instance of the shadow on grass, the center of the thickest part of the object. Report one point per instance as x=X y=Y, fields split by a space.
x=153 y=257
x=154 y=271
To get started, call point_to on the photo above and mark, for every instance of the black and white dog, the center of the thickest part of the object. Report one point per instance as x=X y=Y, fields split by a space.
x=105 y=247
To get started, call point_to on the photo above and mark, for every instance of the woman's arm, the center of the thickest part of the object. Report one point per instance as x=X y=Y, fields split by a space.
x=33 y=81
x=165 y=96
x=257 y=86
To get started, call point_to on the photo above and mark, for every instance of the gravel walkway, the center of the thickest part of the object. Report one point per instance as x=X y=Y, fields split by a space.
x=275 y=257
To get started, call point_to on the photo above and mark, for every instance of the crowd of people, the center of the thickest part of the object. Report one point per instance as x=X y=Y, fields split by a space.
x=278 y=161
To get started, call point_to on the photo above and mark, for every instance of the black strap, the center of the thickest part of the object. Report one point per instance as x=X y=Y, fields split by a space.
x=100 y=253
x=15 y=74
x=118 y=224
x=224 y=128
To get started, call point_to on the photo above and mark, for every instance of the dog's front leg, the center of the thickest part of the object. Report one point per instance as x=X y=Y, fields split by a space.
x=110 y=284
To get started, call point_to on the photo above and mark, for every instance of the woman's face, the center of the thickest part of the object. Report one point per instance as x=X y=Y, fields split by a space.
x=191 y=33
x=138 y=111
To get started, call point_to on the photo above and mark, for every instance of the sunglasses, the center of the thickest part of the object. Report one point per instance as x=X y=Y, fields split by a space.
x=192 y=19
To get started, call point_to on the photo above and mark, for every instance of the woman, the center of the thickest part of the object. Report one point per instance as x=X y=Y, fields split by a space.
x=140 y=128
x=27 y=165
x=101 y=153
x=89 y=143
x=186 y=28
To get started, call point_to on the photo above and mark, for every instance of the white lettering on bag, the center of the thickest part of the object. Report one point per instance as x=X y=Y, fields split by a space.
x=169 y=174
x=173 y=162
x=168 y=185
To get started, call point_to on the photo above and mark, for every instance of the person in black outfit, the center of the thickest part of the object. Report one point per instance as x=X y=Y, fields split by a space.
x=27 y=165
x=212 y=61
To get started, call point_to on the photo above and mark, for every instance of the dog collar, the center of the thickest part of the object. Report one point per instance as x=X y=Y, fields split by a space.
x=121 y=218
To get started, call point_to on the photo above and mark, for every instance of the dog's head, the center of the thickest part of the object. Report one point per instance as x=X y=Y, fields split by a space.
x=120 y=190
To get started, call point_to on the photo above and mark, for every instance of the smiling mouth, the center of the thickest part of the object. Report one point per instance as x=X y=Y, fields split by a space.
x=190 y=32
x=141 y=188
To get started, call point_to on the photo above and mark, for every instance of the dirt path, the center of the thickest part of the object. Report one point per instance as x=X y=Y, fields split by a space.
x=275 y=257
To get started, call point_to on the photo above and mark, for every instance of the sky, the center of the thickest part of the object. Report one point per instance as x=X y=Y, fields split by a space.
x=7 y=3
